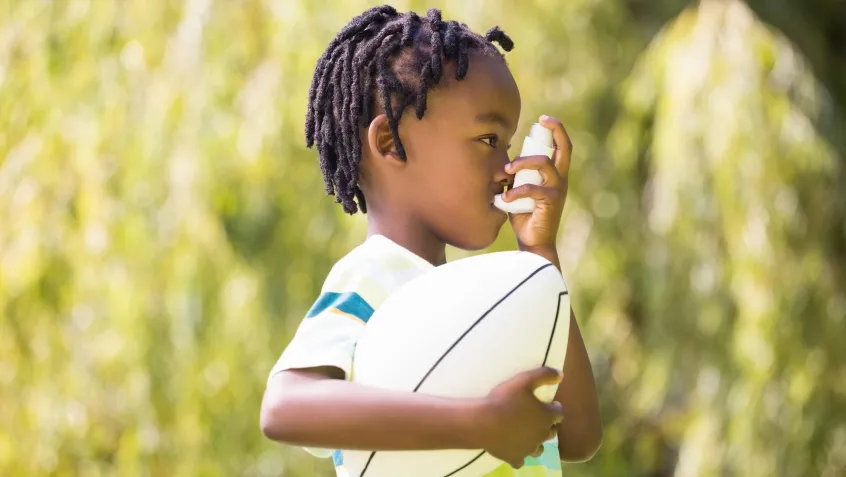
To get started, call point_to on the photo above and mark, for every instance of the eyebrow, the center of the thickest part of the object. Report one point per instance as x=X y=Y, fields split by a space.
x=493 y=117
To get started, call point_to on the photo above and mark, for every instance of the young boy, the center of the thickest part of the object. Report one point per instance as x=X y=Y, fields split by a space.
x=426 y=177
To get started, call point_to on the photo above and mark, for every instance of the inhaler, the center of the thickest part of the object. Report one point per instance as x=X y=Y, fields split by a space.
x=538 y=143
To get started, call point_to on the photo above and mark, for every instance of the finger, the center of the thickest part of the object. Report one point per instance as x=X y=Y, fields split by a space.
x=556 y=410
x=538 y=452
x=540 y=376
x=542 y=164
x=553 y=433
x=563 y=144
x=538 y=193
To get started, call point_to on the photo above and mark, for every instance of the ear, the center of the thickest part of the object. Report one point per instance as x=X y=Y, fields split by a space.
x=380 y=140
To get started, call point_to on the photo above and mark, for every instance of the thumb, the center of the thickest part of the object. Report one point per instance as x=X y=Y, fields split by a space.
x=557 y=411
x=543 y=375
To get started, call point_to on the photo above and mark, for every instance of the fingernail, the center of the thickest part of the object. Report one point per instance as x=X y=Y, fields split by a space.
x=543 y=117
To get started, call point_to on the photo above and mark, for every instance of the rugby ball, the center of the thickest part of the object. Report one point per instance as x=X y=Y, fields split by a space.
x=458 y=331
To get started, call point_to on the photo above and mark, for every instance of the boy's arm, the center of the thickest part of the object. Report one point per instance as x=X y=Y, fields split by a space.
x=318 y=408
x=580 y=432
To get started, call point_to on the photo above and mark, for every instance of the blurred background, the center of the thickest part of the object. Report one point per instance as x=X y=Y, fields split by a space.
x=163 y=228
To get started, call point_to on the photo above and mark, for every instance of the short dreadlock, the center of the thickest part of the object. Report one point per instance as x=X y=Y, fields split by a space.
x=366 y=51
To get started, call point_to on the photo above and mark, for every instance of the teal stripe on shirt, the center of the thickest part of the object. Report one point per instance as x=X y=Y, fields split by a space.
x=349 y=302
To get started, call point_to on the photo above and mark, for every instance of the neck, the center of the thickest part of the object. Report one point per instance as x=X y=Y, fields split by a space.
x=409 y=233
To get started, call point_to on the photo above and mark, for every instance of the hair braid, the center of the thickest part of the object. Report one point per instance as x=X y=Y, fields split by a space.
x=391 y=58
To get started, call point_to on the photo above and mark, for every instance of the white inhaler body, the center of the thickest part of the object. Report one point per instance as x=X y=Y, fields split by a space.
x=538 y=143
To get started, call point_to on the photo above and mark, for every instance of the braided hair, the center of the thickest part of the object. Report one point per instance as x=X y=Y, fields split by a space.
x=404 y=55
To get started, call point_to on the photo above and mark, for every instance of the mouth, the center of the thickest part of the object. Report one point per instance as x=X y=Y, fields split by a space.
x=495 y=192
x=493 y=203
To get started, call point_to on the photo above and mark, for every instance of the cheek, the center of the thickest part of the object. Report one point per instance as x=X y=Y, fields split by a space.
x=468 y=170
x=457 y=171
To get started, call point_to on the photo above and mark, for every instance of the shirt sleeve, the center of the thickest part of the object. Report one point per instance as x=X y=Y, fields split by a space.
x=329 y=331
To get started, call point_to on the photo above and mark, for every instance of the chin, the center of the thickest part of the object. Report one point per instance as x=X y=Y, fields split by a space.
x=477 y=238
x=474 y=246
x=473 y=231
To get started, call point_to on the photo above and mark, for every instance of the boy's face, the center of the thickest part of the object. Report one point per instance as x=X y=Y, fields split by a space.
x=457 y=154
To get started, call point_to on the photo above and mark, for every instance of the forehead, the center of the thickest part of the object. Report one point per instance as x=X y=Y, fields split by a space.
x=487 y=89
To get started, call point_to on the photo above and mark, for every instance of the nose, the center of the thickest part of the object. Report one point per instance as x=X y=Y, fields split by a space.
x=501 y=177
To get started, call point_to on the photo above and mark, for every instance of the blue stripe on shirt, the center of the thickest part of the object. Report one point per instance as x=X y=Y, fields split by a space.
x=350 y=303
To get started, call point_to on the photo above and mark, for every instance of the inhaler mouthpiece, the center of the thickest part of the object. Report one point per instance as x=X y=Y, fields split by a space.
x=539 y=142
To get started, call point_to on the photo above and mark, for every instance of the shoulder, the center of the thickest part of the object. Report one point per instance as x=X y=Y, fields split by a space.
x=355 y=278
x=365 y=277
x=355 y=286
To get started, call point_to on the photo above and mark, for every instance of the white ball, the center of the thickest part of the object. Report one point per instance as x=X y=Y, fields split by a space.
x=458 y=331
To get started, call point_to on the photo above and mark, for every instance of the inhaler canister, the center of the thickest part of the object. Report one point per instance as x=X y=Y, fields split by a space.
x=538 y=143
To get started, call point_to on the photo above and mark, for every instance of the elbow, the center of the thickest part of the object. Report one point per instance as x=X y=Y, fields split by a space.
x=583 y=452
x=284 y=416
x=583 y=448
x=272 y=426
x=272 y=420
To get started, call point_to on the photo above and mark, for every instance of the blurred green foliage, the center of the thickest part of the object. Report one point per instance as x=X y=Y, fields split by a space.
x=163 y=229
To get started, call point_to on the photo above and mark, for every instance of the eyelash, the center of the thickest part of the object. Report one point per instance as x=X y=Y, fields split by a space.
x=496 y=141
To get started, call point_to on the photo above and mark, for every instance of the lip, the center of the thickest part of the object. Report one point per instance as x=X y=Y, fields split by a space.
x=495 y=191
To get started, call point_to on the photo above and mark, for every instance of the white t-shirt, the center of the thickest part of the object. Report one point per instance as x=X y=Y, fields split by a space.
x=355 y=287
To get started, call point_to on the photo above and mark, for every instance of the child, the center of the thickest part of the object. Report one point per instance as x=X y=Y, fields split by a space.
x=412 y=118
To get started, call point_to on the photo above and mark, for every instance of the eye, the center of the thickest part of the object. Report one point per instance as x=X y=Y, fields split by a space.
x=492 y=141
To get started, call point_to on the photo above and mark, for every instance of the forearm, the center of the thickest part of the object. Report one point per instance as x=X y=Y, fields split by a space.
x=337 y=414
x=549 y=252
x=580 y=433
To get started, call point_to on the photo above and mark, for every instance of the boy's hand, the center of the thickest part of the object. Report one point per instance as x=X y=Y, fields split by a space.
x=539 y=229
x=514 y=423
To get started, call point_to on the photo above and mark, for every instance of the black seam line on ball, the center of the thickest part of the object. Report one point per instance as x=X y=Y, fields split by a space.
x=554 y=324
x=435 y=365
x=474 y=459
